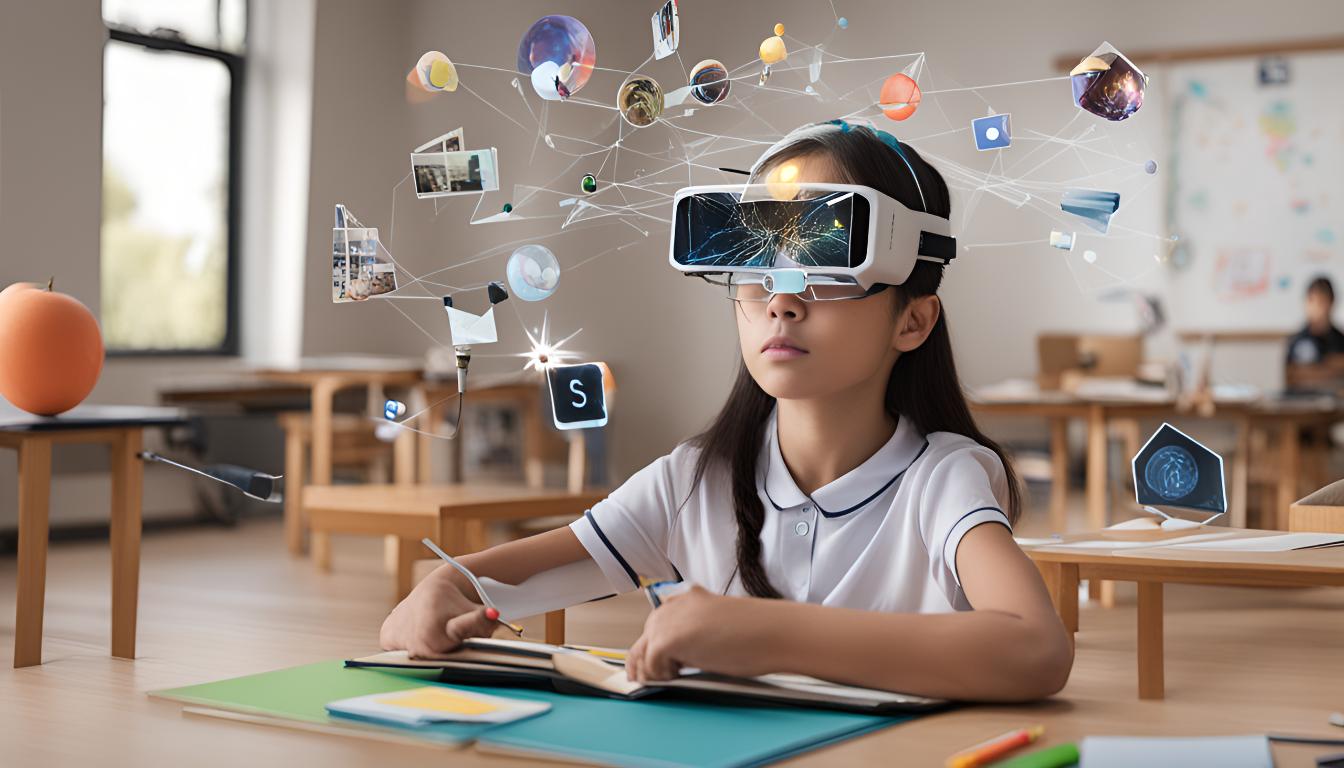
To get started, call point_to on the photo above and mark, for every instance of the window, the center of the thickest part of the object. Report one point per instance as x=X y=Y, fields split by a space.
x=173 y=79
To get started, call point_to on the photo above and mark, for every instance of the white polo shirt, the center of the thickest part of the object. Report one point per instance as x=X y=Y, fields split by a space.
x=883 y=537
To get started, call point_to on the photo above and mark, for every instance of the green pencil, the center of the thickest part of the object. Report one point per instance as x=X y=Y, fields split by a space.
x=1058 y=756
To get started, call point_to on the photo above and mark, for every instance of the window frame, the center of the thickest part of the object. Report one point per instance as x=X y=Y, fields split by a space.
x=235 y=64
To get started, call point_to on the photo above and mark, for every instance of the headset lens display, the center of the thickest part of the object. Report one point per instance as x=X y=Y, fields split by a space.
x=719 y=229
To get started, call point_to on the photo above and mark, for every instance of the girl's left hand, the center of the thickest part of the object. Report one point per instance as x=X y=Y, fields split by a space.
x=704 y=630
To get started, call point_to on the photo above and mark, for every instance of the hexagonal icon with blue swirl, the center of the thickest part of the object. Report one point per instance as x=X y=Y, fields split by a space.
x=1174 y=470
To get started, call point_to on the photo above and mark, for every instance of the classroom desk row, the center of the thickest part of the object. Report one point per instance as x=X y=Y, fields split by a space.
x=1286 y=418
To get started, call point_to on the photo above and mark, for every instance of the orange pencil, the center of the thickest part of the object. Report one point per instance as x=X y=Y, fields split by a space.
x=988 y=751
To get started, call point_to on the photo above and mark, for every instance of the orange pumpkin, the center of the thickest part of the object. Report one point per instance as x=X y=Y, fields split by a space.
x=51 y=350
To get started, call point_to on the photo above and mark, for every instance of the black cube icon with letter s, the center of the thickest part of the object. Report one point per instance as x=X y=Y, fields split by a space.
x=577 y=399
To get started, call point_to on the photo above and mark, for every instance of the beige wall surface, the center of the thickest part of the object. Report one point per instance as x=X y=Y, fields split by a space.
x=669 y=340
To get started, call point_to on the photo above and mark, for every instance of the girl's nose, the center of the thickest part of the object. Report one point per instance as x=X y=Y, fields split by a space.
x=786 y=306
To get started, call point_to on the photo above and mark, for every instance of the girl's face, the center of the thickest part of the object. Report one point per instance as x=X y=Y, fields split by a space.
x=798 y=349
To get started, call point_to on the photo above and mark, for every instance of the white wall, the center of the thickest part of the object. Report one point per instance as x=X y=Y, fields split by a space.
x=668 y=340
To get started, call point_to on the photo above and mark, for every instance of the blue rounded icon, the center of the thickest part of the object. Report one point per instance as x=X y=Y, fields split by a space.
x=1171 y=473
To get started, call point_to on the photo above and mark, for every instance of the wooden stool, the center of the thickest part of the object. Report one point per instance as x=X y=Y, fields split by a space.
x=452 y=516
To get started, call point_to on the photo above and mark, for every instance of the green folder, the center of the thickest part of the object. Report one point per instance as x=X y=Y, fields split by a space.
x=663 y=733
x=301 y=694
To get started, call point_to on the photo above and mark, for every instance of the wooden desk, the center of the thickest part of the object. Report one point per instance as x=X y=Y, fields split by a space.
x=121 y=429
x=1286 y=417
x=1151 y=567
x=454 y=516
x=324 y=380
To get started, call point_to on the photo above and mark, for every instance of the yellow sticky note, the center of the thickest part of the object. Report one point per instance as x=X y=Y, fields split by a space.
x=440 y=700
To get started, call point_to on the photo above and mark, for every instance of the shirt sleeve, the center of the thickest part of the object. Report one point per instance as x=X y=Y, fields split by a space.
x=627 y=533
x=963 y=491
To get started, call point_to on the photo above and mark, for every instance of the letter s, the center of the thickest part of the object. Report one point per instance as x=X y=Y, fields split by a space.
x=576 y=387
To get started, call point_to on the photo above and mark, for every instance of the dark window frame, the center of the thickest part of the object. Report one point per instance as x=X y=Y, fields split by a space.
x=235 y=64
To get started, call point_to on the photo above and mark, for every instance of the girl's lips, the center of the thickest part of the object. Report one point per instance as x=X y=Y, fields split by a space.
x=782 y=353
x=781 y=348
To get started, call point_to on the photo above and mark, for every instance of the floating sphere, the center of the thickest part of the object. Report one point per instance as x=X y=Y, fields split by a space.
x=842 y=22
x=434 y=73
x=773 y=50
x=779 y=29
x=533 y=272
x=1090 y=257
x=1108 y=85
x=640 y=100
x=508 y=208
x=565 y=42
x=709 y=82
x=900 y=97
x=588 y=184
x=1150 y=167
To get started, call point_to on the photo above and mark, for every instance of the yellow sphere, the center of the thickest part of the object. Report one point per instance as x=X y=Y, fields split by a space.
x=779 y=30
x=773 y=50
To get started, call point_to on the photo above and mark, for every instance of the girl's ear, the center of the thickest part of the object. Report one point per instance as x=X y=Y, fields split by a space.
x=916 y=322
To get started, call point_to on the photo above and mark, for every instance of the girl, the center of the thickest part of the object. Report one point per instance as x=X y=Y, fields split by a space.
x=842 y=517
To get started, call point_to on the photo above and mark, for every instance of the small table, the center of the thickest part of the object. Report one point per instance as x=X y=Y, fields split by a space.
x=453 y=516
x=1152 y=566
x=122 y=429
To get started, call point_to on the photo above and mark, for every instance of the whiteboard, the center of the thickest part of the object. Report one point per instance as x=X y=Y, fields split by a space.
x=1254 y=187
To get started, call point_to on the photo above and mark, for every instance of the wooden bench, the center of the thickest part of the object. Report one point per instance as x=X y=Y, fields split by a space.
x=454 y=516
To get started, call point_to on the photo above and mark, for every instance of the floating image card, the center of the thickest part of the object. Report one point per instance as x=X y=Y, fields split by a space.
x=577 y=397
x=448 y=142
x=468 y=328
x=666 y=30
x=991 y=132
x=358 y=271
x=1062 y=240
x=1094 y=207
x=1173 y=470
x=440 y=174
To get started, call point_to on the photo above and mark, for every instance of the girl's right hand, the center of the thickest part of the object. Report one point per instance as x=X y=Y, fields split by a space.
x=435 y=618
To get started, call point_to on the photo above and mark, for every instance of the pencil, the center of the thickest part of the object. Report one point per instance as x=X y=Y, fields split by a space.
x=471 y=577
x=989 y=751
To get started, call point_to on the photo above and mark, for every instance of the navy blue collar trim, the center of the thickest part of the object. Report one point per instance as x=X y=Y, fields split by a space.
x=861 y=504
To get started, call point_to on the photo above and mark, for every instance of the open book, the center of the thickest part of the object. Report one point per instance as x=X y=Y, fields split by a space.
x=601 y=672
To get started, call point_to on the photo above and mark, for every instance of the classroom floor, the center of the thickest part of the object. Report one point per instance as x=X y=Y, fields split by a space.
x=217 y=603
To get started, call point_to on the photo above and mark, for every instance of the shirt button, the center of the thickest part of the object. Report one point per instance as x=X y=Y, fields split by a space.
x=801 y=528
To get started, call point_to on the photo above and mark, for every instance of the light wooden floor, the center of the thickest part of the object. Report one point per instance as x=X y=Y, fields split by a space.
x=216 y=603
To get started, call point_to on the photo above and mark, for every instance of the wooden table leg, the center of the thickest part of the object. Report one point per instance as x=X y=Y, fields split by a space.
x=555 y=627
x=1059 y=474
x=321 y=548
x=1096 y=468
x=295 y=464
x=1096 y=492
x=34 y=501
x=1289 y=468
x=1151 y=685
x=324 y=391
x=1061 y=581
x=1241 y=474
x=127 y=493
x=407 y=554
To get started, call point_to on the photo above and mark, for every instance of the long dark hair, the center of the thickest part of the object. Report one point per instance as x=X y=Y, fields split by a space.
x=923 y=385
